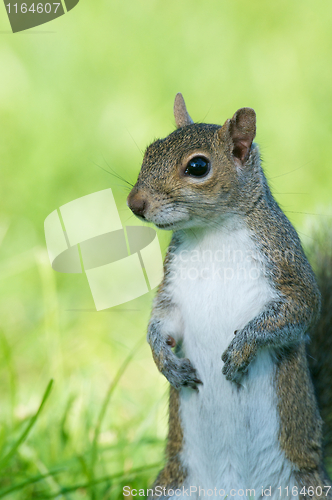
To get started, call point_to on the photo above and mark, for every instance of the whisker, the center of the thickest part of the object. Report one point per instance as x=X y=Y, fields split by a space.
x=291 y=171
x=116 y=174
x=307 y=213
x=139 y=149
x=102 y=168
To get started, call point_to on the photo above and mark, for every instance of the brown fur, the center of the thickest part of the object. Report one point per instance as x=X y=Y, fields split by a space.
x=320 y=347
x=314 y=481
x=300 y=422
x=173 y=474
x=238 y=187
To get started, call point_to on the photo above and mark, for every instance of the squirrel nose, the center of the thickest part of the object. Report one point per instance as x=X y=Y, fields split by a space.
x=137 y=203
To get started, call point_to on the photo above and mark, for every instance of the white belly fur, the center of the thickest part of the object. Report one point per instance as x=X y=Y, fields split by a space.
x=230 y=432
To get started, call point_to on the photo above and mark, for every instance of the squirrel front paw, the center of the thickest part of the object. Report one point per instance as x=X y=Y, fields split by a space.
x=237 y=357
x=181 y=373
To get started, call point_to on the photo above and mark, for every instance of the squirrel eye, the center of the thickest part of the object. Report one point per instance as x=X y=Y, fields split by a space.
x=197 y=167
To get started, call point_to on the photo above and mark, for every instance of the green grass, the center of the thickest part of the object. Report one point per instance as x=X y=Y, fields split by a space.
x=101 y=423
x=95 y=91
x=68 y=457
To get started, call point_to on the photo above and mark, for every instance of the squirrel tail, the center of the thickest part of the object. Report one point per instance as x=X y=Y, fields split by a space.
x=320 y=347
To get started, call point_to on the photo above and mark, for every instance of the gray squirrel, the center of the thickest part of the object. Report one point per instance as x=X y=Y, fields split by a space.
x=231 y=321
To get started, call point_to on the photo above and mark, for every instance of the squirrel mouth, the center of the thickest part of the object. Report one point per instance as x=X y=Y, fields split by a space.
x=164 y=226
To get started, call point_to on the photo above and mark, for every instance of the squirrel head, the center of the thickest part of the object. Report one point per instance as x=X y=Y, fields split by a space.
x=199 y=173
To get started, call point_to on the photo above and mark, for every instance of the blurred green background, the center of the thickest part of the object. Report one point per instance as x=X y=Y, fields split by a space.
x=92 y=89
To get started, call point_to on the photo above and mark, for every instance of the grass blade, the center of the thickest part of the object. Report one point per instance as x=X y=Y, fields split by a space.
x=29 y=481
x=120 y=372
x=24 y=435
x=119 y=476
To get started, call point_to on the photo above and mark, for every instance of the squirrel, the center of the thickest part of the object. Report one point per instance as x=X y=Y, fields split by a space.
x=232 y=319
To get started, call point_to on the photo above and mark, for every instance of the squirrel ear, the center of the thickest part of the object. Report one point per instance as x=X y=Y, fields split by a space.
x=241 y=130
x=181 y=115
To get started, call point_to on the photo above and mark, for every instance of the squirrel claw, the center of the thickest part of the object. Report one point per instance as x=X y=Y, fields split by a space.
x=237 y=357
x=234 y=374
x=183 y=374
x=194 y=384
x=224 y=358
